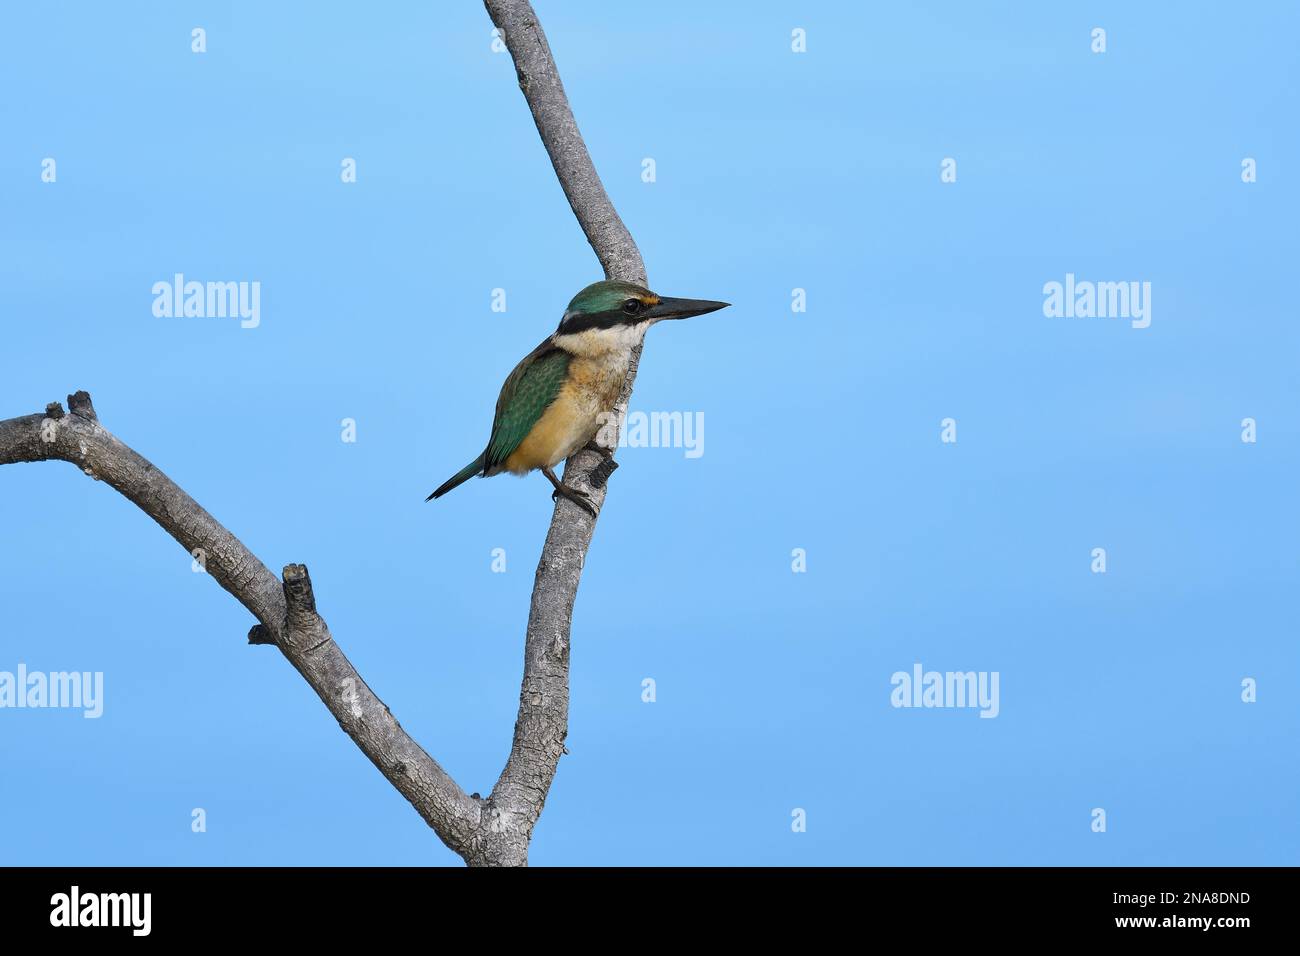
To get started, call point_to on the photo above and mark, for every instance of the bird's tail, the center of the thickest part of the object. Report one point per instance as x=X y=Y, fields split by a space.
x=464 y=475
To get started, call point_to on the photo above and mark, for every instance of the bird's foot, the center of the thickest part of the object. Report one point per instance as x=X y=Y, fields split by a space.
x=579 y=498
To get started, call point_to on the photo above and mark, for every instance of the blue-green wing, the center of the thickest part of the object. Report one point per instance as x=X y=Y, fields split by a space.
x=527 y=393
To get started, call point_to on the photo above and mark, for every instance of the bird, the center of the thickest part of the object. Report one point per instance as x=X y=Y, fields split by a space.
x=563 y=391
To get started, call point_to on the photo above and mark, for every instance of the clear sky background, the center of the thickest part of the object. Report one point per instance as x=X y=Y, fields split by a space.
x=775 y=171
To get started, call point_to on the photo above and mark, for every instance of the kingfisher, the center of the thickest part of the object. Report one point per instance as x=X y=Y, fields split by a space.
x=557 y=398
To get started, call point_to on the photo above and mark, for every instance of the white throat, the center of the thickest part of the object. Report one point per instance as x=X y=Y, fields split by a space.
x=598 y=343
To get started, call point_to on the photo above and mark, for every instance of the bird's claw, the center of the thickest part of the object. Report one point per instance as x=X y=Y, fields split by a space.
x=579 y=498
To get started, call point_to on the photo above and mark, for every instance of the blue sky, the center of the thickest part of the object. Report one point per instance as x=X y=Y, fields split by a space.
x=775 y=171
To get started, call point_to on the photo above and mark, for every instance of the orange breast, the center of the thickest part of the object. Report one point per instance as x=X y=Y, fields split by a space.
x=572 y=419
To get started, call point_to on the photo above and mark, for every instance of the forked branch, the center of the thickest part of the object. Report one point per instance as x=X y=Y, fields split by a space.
x=495 y=831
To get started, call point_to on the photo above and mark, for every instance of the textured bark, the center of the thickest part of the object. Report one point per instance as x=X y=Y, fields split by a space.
x=543 y=721
x=540 y=82
x=491 y=832
x=287 y=611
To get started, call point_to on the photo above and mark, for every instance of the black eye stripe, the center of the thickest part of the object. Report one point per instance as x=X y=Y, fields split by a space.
x=595 y=320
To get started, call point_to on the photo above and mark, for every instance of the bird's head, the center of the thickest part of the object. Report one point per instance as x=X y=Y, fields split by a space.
x=624 y=310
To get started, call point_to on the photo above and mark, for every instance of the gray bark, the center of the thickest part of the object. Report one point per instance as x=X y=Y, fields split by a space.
x=540 y=82
x=492 y=832
x=286 y=611
x=543 y=720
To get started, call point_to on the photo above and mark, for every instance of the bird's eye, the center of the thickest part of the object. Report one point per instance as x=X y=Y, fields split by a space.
x=632 y=306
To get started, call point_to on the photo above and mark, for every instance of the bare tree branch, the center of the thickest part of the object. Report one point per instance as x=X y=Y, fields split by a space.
x=496 y=831
x=543 y=722
x=287 y=612
x=540 y=81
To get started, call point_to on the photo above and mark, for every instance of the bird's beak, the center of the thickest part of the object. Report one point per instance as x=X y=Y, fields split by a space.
x=683 y=308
